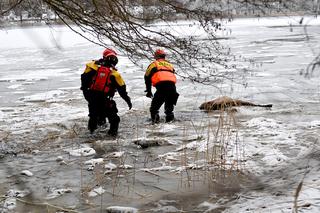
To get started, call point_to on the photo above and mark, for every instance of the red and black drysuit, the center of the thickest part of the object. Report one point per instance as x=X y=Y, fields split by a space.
x=100 y=100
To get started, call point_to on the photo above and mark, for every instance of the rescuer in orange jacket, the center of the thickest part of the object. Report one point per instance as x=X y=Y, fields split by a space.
x=161 y=74
x=99 y=82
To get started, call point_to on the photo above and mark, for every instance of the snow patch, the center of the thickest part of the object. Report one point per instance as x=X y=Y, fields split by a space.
x=121 y=209
x=85 y=151
x=97 y=191
x=58 y=192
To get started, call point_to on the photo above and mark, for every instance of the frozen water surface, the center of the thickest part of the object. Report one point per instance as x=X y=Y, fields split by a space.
x=190 y=165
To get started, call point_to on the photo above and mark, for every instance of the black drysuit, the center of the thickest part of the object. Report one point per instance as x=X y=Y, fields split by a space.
x=101 y=105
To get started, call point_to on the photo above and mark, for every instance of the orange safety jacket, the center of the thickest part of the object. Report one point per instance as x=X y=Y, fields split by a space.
x=101 y=80
x=165 y=72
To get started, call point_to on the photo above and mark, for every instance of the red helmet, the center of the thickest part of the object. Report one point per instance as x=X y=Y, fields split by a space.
x=108 y=52
x=159 y=53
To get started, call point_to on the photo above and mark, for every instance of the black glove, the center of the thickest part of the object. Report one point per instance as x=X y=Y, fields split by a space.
x=149 y=94
x=129 y=103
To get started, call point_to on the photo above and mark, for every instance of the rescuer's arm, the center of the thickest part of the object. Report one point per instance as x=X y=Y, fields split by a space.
x=86 y=79
x=87 y=75
x=147 y=79
x=120 y=85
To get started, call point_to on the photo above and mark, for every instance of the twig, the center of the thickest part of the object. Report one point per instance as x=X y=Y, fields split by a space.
x=141 y=195
x=298 y=190
x=153 y=173
x=157 y=187
x=12 y=7
x=47 y=205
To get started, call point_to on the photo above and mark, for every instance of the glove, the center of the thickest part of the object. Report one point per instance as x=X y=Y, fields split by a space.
x=149 y=94
x=129 y=103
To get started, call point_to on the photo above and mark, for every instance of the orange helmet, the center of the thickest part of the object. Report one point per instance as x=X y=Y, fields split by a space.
x=108 y=52
x=159 y=53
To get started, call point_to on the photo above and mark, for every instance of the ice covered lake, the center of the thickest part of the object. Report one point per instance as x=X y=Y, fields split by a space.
x=250 y=161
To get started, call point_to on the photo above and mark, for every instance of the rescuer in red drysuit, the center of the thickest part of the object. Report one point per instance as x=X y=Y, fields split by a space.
x=99 y=82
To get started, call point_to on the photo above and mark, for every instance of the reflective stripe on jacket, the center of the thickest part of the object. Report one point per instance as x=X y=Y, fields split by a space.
x=165 y=72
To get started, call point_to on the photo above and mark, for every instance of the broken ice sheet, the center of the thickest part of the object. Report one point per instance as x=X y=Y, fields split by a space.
x=10 y=204
x=17 y=193
x=26 y=173
x=92 y=163
x=121 y=209
x=85 y=151
x=95 y=192
x=58 y=192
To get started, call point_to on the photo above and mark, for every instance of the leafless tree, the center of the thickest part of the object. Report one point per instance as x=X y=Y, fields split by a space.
x=130 y=25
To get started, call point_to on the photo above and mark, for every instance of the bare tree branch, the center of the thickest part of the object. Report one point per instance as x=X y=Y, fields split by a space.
x=11 y=7
x=134 y=27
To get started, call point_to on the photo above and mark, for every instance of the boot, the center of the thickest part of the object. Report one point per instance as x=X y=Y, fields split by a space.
x=155 y=118
x=169 y=117
x=112 y=132
x=114 y=126
x=92 y=124
x=101 y=121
